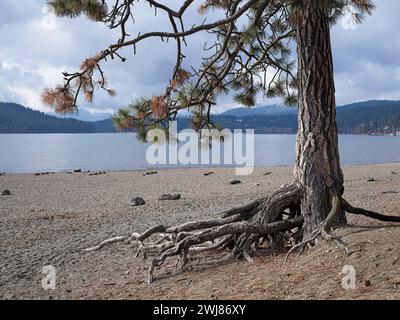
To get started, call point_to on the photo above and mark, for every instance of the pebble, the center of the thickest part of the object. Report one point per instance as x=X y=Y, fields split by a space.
x=170 y=197
x=137 y=202
x=6 y=193
x=97 y=173
x=150 y=173
x=389 y=192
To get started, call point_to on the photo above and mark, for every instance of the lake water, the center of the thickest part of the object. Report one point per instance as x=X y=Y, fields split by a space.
x=28 y=153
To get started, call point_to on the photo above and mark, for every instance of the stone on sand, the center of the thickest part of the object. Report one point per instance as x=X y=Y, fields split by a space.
x=137 y=201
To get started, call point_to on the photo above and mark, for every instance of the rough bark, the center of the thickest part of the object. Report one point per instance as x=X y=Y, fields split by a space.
x=317 y=165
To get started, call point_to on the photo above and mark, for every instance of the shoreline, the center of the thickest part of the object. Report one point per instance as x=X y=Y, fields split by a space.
x=195 y=167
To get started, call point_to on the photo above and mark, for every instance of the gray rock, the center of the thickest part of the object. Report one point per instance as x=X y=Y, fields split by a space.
x=208 y=174
x=150 y=173
x=371 y=180
x=233 y=182
x=96 y=173
x=170 y=197
x=389 y=192
x=6 y=193
x=137 y=202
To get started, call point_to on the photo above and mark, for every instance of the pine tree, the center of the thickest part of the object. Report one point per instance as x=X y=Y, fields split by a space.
x=253 y=38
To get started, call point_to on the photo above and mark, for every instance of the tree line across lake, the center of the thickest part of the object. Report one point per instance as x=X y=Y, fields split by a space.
x=370 y=117
x=15 y=118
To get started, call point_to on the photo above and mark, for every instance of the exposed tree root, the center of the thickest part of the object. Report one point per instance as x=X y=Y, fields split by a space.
x=322 y=232
x=339 y=204
x=370 y=214
x=107 y=242
x=183 y=246
x=241 y=230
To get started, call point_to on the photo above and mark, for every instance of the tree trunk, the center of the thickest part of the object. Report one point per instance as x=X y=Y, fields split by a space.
x=317 y=154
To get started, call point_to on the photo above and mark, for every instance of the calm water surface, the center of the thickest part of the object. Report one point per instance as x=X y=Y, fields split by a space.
x=28 y=153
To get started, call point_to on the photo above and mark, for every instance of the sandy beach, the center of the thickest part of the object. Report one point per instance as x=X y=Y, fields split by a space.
x=50 y=219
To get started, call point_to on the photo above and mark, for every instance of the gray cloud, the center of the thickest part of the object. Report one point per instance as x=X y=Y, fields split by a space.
x=367 y=60
x=36 y=47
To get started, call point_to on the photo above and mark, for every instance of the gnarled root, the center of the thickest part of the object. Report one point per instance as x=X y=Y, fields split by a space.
x=370 y=214
x=240 y=230
x=237 y=230
x=338 y=205
x=323 y=230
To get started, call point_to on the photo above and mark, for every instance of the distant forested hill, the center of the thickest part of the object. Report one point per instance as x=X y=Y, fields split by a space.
x=104 y=126
x=380 y=117
x=359 y=118
x=369 y=117
x=15 y=118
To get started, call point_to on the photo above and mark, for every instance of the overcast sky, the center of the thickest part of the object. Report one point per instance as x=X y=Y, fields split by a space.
x=35 y=47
